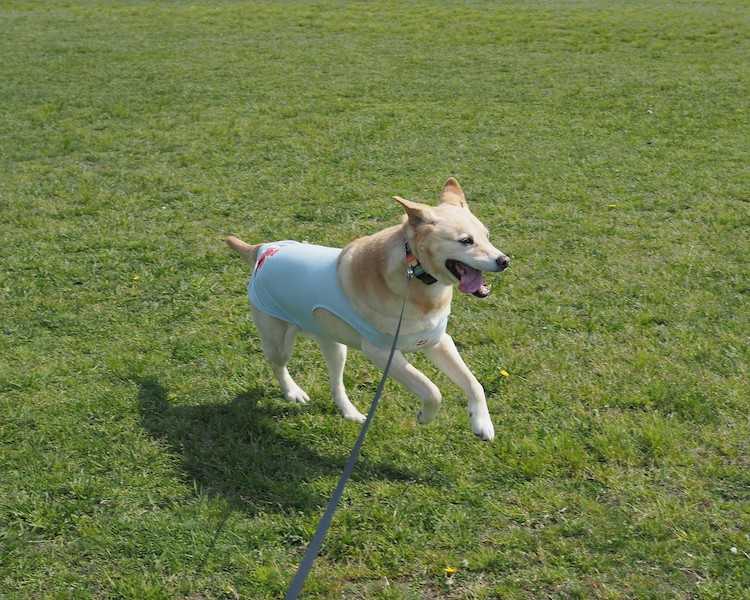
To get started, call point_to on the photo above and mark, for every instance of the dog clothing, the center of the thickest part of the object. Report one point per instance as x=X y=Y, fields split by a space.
x=291 y=279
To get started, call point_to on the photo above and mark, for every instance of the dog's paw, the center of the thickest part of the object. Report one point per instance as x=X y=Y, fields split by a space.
x=425 y=415
x=354 y=415
x=297 y=394
x=481 y=425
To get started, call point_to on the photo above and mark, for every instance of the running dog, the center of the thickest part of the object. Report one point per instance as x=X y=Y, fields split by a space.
x=352 y=297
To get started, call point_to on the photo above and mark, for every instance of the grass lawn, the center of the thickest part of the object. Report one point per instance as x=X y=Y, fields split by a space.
x=144 y=448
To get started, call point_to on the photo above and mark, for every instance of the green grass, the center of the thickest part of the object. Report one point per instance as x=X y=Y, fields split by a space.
x=144 y=450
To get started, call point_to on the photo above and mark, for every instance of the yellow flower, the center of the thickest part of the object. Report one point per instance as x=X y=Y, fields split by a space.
x=504 y=373
x=611 y=205
x=449 y=571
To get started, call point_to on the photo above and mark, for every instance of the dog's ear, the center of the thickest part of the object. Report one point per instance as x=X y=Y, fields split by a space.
x=453 y=194
x=417 y=212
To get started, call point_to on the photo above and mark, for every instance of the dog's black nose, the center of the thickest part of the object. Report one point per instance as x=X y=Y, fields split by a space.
x=502 y=262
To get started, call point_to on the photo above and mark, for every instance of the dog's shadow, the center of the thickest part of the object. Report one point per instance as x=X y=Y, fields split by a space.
x=240 y=451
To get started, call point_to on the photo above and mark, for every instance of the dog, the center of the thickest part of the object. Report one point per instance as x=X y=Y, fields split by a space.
x=352 y=297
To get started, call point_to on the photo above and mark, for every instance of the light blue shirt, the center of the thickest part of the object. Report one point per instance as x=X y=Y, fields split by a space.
x=290 y=280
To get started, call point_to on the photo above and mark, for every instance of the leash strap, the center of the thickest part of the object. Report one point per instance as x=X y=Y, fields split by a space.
x=325 y=522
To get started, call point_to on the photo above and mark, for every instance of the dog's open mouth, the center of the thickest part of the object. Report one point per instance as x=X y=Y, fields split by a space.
x=470 y=280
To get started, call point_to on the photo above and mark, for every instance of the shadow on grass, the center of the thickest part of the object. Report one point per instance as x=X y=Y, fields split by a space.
x=239 y=451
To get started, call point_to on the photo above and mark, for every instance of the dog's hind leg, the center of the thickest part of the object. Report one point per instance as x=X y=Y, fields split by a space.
x=277 y=338
x=335 y=355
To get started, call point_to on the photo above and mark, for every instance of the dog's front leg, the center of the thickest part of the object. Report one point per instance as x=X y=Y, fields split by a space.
x=404 y=372
x=445 y=357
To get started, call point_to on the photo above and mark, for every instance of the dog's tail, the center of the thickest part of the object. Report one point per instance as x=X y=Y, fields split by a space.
x=247 y=251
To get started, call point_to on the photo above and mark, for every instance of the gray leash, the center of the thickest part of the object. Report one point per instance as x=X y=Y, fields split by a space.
x=325 y=522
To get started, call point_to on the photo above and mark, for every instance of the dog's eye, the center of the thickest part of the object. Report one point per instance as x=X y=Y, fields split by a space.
x=466 y=241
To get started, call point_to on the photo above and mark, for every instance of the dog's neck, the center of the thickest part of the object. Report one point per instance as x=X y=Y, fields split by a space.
x=415 y=269
x=372 y=271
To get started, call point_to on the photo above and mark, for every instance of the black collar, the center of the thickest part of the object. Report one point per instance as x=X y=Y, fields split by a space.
x=416 y=269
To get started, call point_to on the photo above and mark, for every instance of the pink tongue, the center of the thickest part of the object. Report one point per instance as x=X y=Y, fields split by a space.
x=471 y=280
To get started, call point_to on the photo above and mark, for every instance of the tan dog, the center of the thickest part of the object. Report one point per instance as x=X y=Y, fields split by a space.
x=447 y=241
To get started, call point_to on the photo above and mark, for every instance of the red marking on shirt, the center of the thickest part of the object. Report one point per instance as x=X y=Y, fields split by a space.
x=266 y=254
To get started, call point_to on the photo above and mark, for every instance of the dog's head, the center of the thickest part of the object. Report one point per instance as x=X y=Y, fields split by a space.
x=450 y=242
